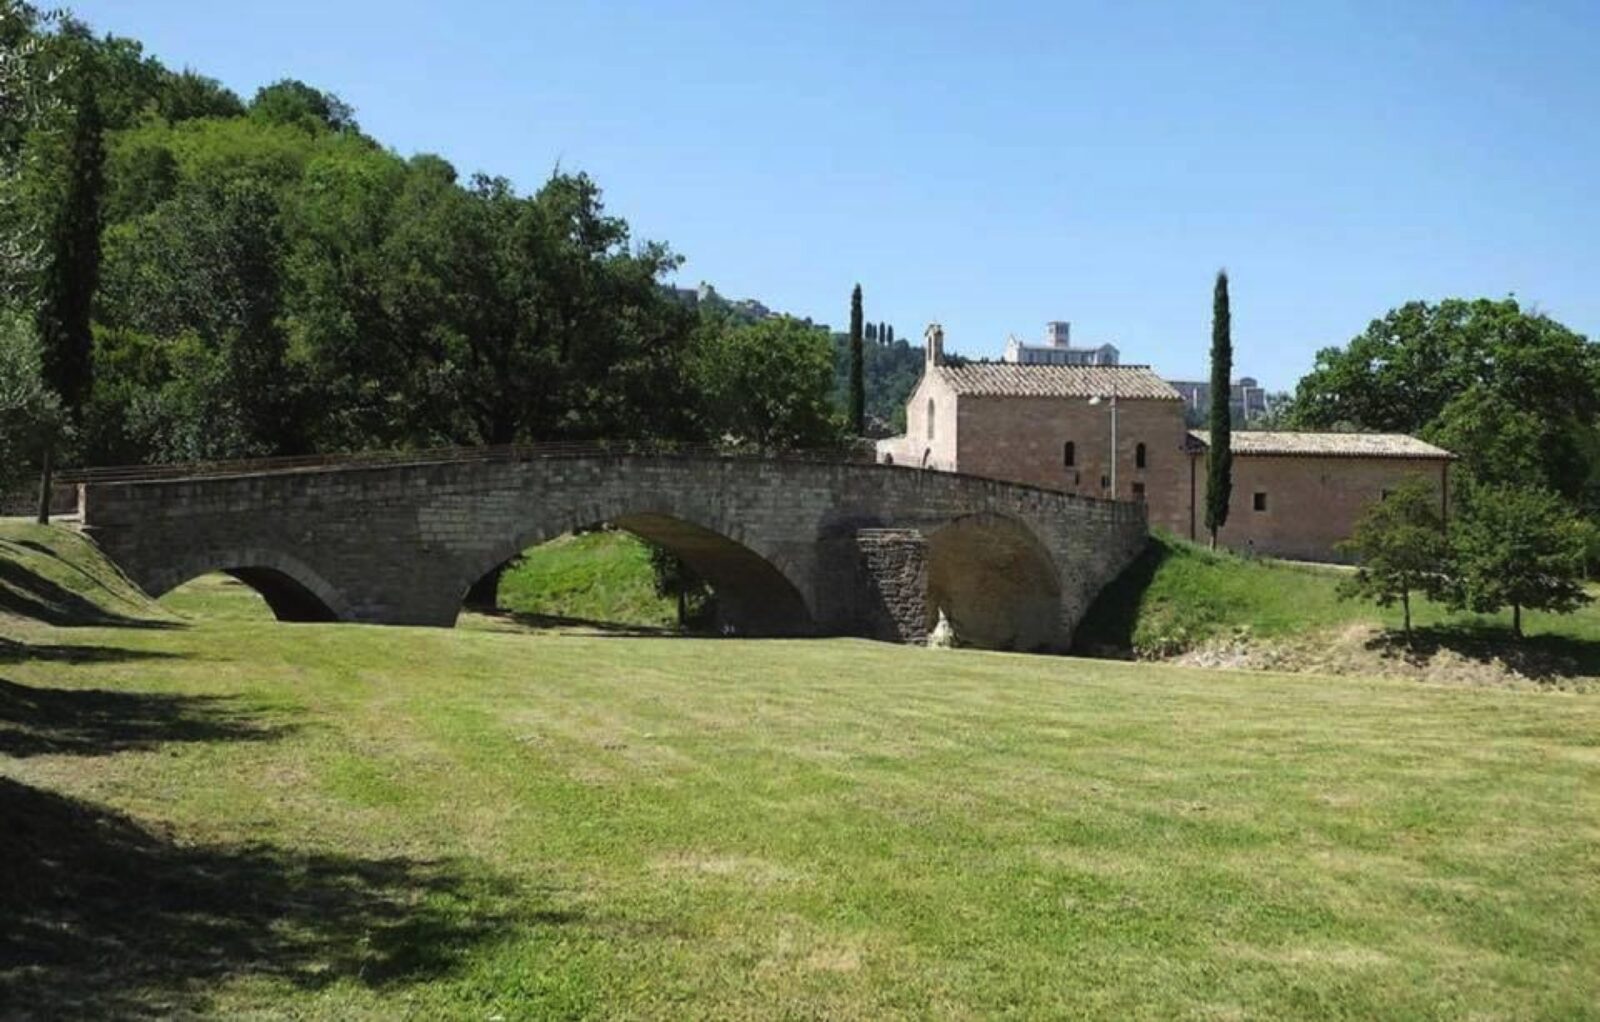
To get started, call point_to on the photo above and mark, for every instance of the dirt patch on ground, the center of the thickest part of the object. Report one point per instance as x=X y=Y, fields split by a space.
x=1442 y=657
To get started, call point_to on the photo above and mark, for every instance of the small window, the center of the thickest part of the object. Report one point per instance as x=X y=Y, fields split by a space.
x=1261 y=501
x=930 y=418
x=1138 y=456
x=1138 y=490
x=1069 y=454
x=1105 y=482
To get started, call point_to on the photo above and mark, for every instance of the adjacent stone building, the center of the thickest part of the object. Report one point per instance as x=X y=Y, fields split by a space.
x=1294 y=494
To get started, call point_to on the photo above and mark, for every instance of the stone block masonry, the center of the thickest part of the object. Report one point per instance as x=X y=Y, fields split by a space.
x=792 y=547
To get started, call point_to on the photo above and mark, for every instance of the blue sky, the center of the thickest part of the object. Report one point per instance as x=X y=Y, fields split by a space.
x=995 y=165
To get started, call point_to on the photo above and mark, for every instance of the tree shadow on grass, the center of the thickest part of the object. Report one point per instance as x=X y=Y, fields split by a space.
x=14 y=652
x=36 y=721
x=107 y=918
x=526 y=619
x=1537 y=657
x=31 y=595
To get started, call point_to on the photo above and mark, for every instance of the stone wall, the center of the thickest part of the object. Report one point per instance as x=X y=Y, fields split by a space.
x=894 y=569
x=401 y=544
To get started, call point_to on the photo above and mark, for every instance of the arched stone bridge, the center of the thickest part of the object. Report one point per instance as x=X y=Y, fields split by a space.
x=792 y=547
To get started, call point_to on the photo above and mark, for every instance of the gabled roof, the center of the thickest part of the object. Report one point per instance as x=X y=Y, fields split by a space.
x=1012 y=379
x=1248 y=442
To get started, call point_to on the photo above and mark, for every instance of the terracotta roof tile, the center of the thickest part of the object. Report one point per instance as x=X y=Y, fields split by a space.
x=1010 y=379
x=1328 y=445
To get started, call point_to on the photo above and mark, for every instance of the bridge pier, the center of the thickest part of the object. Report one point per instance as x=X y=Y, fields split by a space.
x=894 y=575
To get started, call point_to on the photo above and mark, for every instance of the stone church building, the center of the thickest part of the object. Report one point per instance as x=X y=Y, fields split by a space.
x=1294 y=494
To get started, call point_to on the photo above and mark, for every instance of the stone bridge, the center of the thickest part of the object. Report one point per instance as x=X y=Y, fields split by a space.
x=791 y=547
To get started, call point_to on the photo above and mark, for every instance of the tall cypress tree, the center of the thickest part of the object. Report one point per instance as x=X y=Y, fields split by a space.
x=1219 y=464
x=858 y=376
x=72 y=270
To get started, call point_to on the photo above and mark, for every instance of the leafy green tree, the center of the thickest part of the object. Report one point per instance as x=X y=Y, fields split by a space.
x=1433 y=369
x=858 y=382
x=72 y=265
x=1400 y=548
x=1219 y=459
x=675 y=579
x=1521 y=547
x=768 y=384
x=296 y=103
x=31 y=417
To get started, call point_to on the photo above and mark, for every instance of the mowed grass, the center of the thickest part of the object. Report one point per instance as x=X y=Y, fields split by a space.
x=330 y=821
x=600 y=576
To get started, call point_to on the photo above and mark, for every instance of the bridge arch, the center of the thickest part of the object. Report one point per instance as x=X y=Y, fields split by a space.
x=996 y=582
x=292 y=589
x=758 y=589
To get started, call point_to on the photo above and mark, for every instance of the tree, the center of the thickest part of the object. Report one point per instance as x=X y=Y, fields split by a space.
x=768 y=384
x=889 y=337
x=1400 y=547
x=294 y=102
x=1521 y=547
x=31 y=418
x=1435 y=369
x=858 y=368
x=676 y=579
x=72 y=269
x=1219 y=459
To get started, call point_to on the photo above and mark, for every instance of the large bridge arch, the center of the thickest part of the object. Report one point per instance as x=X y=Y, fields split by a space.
x=996 y=581
x=756 y=591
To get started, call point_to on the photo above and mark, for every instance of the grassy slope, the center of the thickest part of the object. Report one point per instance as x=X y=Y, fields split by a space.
x=344 y=822
x=597 y=576
x=1179 y=595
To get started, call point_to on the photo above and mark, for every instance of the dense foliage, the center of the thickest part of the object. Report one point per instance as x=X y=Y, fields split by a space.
x=1514 y=394
x=274 y=281
x=1400 y=547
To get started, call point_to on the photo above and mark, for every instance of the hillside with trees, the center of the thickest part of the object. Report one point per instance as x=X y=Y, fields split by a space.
x=261 y=277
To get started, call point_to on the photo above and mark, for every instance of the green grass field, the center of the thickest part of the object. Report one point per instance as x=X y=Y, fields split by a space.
x=592 y=577
x=237 y=817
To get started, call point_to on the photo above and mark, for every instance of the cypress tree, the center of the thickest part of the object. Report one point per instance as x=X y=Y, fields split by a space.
x=890 y=337
x=72 y=270
x=1219 y=463
x=858 y=381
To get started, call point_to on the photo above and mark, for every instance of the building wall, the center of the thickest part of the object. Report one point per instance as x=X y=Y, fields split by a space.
x=1312 y=503
x=915 y=448
x=1021 y=439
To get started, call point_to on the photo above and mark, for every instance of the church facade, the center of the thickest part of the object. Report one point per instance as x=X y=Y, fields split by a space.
x=1118 y=431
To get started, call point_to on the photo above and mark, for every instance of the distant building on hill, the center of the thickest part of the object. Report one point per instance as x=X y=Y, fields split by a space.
x=1249 y=399
x=1051 y=425
x=1057 y=349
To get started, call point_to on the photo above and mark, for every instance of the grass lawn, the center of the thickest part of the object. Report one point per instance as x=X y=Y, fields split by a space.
x=595 y=576
x=1178 y=595
x=238 y=817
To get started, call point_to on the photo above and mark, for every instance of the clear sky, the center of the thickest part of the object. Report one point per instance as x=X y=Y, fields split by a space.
x=994 y=165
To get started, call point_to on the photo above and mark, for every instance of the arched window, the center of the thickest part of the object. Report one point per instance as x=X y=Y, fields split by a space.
x=1138 y=456
x=930 y=418
x=1069 y=454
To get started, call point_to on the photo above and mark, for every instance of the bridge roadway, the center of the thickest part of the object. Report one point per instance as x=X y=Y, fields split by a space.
x=792 y=546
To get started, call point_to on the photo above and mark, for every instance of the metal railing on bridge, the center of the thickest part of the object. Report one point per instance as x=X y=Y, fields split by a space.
x=861 y=454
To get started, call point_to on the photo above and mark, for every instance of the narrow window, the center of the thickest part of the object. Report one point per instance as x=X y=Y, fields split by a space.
x=1069 y=454
x=1138 y=492
x=930 y=418
x=1138 y=456
x=1261 y=501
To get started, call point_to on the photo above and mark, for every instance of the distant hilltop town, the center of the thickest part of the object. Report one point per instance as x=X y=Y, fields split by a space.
x=1250 y=400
